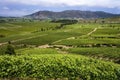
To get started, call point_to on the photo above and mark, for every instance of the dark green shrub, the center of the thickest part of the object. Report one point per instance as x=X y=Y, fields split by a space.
x=1 y=36
x=10 y=50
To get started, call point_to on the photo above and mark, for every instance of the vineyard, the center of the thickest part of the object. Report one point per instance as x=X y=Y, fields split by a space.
x=50 y=50
x=49 y=66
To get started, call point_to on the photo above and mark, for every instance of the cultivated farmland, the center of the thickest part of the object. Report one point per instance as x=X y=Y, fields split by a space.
x=60 y=51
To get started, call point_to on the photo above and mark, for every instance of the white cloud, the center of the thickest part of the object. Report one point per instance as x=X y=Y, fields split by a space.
x=5 y=8
x=102 y=3
x=14 y=13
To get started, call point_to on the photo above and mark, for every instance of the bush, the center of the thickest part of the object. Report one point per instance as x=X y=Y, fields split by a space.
x=57 y=66
x=10 y=50
x=1 y=36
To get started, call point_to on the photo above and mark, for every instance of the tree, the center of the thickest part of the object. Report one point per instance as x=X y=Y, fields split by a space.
x=95 y=20
x=1 y=36
x=10 y=50
x=103 y=22
x=2 y=21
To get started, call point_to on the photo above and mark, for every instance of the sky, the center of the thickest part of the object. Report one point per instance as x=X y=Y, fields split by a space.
x=25 y=7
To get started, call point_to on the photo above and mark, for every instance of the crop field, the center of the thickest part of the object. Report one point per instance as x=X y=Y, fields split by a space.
x=53 y=51
x=13 y=28
x=104 y=53
x=48 y=38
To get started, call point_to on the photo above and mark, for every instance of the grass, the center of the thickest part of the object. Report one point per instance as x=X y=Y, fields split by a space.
x=35 y=51
x=82 y=42
x=103 y=52
x=107 y=31
x=25 y=27
x=48 y=39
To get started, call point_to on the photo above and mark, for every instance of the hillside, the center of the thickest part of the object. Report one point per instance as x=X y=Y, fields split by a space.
x=70 y=14
x=59 y=49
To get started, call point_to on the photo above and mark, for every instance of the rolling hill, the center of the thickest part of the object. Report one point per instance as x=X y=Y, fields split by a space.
x=70 y=14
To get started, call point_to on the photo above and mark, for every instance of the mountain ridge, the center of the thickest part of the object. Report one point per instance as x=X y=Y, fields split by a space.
x=70 y=14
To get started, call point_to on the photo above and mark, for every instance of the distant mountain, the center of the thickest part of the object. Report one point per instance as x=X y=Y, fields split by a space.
x=70 y=14
x=8 y=17
x=2 y=17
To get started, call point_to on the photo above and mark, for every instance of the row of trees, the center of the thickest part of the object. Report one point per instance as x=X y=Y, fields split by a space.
x=65 y=21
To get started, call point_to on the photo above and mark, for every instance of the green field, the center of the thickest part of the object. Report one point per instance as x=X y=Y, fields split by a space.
x=45 y=50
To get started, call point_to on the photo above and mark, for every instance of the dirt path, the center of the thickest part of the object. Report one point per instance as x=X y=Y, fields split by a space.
x=58 y=41
x=54 y=46
x=92 y=31
x=64 y=39
x=28 y=38
x=62 y=52
x=3 y=43
x=44 y=46
x=74 y=37
x=22 y=39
